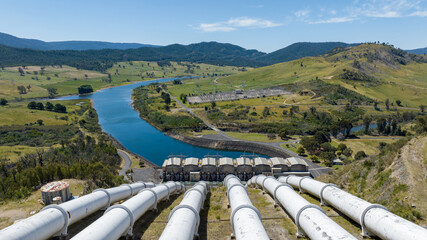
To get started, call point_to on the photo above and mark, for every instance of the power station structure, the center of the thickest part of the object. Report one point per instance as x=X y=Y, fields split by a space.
x=216 y=168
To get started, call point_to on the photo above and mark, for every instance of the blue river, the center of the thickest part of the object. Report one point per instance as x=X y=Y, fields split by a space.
x=120 y=120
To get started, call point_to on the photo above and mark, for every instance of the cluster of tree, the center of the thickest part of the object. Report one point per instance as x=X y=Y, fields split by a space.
x=356 y=76
x=183 y=97
x=84 y=89
x=319 y=146
x=3 y=102
x=59 y=108
x=177 y=82
x=82 y=158
x=164 y=64
x=144 y=104
x=36 y=135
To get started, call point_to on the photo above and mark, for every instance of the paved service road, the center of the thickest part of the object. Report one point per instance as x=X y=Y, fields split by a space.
x=128 y=162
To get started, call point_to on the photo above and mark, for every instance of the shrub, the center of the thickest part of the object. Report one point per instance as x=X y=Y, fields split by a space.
x=360 y=155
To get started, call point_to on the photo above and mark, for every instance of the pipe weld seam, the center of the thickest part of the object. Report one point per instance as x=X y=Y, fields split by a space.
x=132 y=218
x=63 y=230
x=277 y=187
x=188 y=207
x=129 y=186
x=153 y=192
x=197 y=190
x=322 y=201
x=241 y=207
x=300 y=212
x=299 y=183
x=362 y=216
x=106 y=192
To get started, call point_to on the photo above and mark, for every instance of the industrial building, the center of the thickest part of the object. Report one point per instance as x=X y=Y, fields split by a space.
x=216 y=168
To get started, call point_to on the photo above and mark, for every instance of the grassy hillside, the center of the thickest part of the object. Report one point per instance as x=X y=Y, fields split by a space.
x=394 y=178
x=375 y=71
x=67 y=79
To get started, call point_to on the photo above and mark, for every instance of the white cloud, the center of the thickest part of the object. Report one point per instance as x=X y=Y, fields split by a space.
x=215 y=27
x=363 y=10
x=419 y=14
x=301 y=13
x=235 y=23
x=333 y=20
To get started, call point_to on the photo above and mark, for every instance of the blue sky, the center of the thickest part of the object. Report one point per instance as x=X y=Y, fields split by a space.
x=262 y=25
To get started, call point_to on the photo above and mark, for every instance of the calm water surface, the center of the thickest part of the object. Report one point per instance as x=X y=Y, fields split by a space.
x=118 y=118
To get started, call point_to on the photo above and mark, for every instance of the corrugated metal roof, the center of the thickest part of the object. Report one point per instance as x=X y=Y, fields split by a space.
x=243 y=161
x=296 y=161
x=226 y=161
x=208 y=161
x=278 y=161
x=191 y=161
x=55 y=186
x=261 y=161
x=174 y=161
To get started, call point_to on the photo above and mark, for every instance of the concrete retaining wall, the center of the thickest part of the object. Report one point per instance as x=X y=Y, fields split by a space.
x=240 y=146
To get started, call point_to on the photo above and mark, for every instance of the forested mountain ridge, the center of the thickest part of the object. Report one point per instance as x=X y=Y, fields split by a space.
x=12 y=41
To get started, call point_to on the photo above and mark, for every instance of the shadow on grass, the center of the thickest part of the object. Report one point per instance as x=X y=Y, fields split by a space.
x=203 y=228
x=142 y=224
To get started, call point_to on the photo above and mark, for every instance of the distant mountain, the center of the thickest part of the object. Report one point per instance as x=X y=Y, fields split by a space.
x=100 y=55
x=12 y=41
x=418 y=51
x=205 y=52
x=300 y=50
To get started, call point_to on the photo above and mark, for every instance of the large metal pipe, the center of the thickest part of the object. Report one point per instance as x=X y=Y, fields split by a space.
x=184 y=220
x=373 y=218
x=245 y=218
x=54 y=220
x=118 y=219
x=310 y=219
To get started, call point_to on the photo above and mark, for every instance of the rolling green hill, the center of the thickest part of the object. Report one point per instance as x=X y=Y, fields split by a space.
x=375 y=71
x=300 y=50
